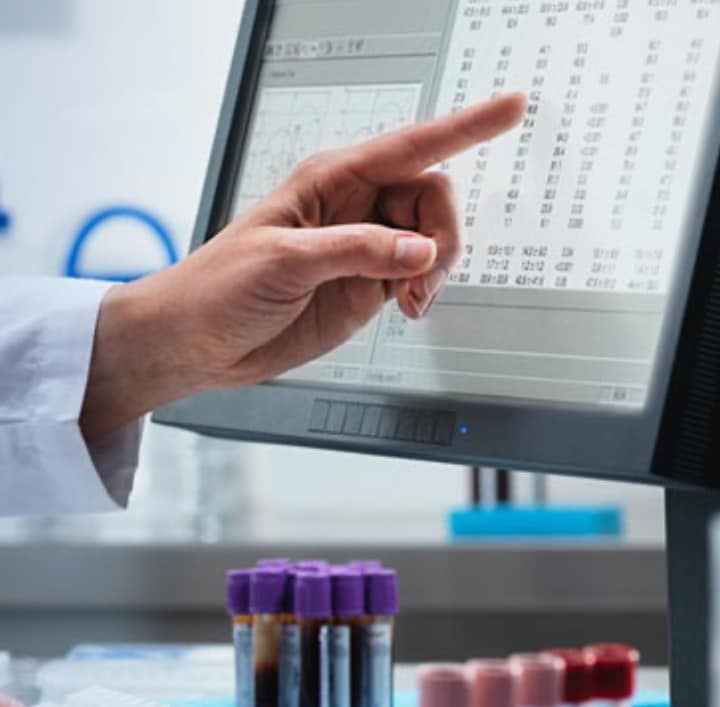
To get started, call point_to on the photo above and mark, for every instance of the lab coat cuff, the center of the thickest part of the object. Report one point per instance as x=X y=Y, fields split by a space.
x=54 y=470
x=68 y=343
x=64 y=349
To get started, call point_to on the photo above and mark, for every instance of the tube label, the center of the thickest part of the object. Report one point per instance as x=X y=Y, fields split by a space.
x=244 y=676
x=290 y=666
x=339 y=677
x=379 y=659
x=325 y=666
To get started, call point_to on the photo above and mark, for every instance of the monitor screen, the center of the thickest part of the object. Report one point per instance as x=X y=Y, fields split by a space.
x=573 y=223
x=580 y=330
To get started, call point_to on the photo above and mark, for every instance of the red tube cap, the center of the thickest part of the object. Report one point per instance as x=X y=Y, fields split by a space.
x=579 y=674
x=615 y=672
x=444 y=685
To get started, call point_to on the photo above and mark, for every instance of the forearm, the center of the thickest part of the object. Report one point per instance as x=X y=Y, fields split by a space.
x=138 y=360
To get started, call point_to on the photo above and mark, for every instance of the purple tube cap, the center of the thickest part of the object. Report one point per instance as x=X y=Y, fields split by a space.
x=312 y=566
x=273 y=562
x=238 y=592
x=290 y=590
x=348 y=592
x=267 y=590
x=364 y=565
x=313 y=595
x=381 y=592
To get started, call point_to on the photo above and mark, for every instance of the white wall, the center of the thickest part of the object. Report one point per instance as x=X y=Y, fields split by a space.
x=107 y=102
x=111 y=103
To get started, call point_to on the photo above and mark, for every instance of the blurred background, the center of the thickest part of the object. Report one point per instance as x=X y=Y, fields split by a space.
x=106 y=121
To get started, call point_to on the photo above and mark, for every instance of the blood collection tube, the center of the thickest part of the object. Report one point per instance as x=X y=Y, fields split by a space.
x=313 y=608
x=493 y=683
x=541 y=678
x=614 y=674
x=445 y=686
x=290 y=649
x=267 y=603
x=381 y=605
x=238 y=604
x=578 y=687
x=346 y=637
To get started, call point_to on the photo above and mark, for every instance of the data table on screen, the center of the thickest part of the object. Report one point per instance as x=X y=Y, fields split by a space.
x=574 y=224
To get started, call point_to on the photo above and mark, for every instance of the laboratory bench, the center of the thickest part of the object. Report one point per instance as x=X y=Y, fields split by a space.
x=457 y=600
x=178 y=679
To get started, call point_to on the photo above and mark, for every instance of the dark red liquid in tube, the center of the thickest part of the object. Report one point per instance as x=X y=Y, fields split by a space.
x=267 y=601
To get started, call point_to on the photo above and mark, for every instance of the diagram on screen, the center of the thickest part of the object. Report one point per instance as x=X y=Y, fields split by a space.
x=372 y=111
x=294 y=123
x=289 y=127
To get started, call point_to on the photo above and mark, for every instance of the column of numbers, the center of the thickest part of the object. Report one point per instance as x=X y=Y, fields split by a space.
x=475 y=16
x=498 y=256
x=632 y=153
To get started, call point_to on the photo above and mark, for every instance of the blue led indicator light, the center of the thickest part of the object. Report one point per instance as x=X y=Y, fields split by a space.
x=5 y=221
x=464 y=430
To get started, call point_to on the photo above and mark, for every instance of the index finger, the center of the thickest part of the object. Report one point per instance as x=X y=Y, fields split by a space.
x=406 y=153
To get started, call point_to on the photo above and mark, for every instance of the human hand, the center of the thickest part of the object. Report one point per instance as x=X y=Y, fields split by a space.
x=295 y=276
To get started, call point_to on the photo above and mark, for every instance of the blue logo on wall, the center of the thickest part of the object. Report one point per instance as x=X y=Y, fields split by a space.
x=102 y=217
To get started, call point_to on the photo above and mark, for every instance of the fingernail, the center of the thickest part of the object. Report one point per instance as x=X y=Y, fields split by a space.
x=428 y=289
x=429 y=305
x=412 y=252
x=435 y=280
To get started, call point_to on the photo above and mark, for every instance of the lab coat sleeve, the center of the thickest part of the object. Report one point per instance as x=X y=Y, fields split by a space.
x=47 y=329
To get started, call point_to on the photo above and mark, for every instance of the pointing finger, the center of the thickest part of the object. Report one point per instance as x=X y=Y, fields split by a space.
x=406 y=153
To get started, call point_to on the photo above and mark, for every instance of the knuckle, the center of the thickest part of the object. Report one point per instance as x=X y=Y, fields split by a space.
x=286 y=250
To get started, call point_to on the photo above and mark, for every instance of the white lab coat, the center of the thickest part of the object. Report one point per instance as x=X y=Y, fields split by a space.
x=47 y=328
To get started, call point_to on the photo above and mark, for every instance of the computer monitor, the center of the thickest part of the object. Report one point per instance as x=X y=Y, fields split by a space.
x=579 y=333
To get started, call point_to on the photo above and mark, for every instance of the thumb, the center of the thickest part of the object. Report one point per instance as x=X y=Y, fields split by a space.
x=360 y=250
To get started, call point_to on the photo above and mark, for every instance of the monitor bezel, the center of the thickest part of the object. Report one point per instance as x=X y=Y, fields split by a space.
x=513 y=434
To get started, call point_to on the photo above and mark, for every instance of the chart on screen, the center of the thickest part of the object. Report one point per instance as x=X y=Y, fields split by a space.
x=294 y=123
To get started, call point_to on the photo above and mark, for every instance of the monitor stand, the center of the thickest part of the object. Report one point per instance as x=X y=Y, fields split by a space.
x=688 y=517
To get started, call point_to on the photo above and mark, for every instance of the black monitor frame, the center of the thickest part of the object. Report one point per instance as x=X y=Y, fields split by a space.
x=675 y=443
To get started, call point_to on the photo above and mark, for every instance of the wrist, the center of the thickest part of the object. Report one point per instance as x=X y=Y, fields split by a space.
x=137 y=361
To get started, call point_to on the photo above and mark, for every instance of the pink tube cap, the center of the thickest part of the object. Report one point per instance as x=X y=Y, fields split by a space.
x=493 y=683
x=444 y=685
x=541 y=679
